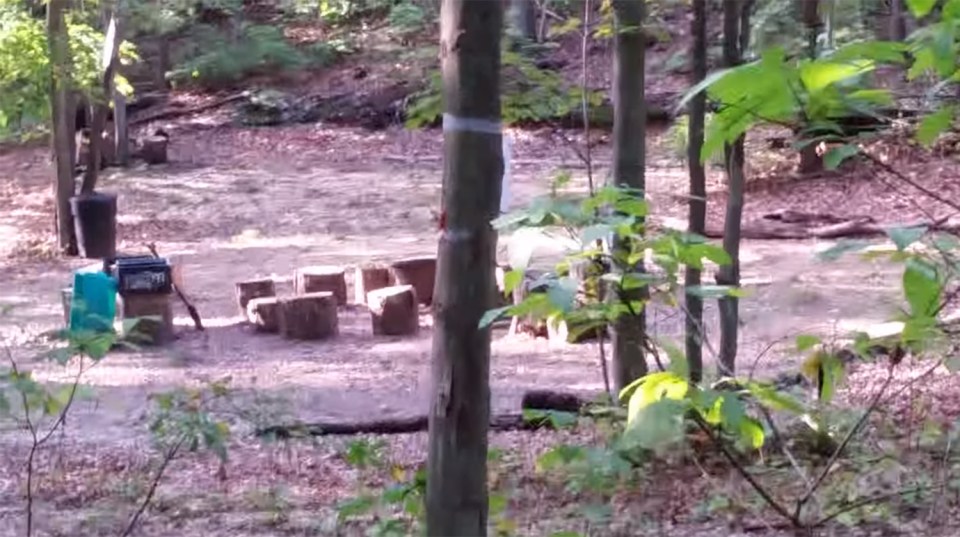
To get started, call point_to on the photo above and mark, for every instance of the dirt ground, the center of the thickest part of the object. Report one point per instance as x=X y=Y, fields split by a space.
x=238 y=203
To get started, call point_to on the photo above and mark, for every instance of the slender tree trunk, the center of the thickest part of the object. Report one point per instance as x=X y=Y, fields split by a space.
x=62 y=124
x=730 y=274
x=629 y=149
x=810 y=161
x=98 y=108
x=745 y=11
x=522 y=26
x=121 y=127
x=897 y=22
x=697 y=214
x=465 y=287
x=812 y=23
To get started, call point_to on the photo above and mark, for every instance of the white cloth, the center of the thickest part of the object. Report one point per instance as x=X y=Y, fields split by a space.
x=505 y=183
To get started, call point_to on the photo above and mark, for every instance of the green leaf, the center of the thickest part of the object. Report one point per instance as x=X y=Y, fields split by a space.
x=490 y=316
x=842 y=247
x=751 y=431
x=511 y=279
x=806 y=342
x=952 y=364
x=832 y=375
x=716 y=291
x=836 y=155
x=563 y=294
x=497 y=503
x=775 y=399
x=920 y=8
x=395 y=494
x=818 y=75
x=934 y=124
x=596 y=232
x=355 y=507
x=903 y=237
x=559 y=456
x=652 y=388
x=922 y=288
x=712 y=252
x=658 y=426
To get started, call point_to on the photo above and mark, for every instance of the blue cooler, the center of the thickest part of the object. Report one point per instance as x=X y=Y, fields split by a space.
x=94 y=304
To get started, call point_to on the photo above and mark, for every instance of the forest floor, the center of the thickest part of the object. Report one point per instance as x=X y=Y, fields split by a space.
x=236 y=203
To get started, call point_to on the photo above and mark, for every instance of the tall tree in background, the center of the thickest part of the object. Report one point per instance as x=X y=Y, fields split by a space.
x=735 y=26
x=62 y=123
x=697 y=215
x=522 y=27
x=629 y=151
x=810 y=159
x=465 y=289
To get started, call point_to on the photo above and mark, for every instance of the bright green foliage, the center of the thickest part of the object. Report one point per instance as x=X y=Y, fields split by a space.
x=809 y=96
x=528 y=94
x=25 y=67
x=363 y=454
x=406 y=19
x=183 y=417
x=398 y=507
x=216 y=58
x=679 y=138
x=572 y=288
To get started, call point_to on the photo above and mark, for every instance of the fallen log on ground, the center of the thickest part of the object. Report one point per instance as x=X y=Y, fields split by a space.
x=543 y=400
x=775 y=229
x=170 y=113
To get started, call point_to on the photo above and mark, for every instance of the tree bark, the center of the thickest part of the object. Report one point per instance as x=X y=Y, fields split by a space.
x=99 y=109
x=121 y=127
x=730 y=274
x=810 y=18
x=897 y=21
x=697 y=207
x=522 y=26
x=457 y=501
x=629 y=151
x=62 y=125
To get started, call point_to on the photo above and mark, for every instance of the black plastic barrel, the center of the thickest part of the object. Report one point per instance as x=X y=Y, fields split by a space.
x=95 y=221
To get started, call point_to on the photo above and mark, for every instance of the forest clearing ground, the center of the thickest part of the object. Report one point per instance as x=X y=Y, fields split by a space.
x=237 y=203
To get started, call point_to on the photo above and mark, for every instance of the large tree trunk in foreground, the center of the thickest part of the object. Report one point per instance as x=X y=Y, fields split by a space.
x=465 y=287
x=697 y=213
x=62 y=124
x=733 y=25
x=629 y=140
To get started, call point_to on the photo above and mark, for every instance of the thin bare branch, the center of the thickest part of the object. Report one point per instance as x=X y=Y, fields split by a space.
x=767 y=497
x=167 y=457
x=812 y=489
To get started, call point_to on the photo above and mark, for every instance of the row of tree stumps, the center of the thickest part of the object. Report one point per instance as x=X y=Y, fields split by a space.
x=393 y=294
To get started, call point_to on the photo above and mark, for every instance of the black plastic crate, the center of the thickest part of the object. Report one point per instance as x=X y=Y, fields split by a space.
x=142 y=275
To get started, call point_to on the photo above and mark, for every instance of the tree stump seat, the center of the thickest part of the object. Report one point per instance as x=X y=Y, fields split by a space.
x=309 y=316
x=319 y=279
x=264 y=313
x=394 y=311
x=420 y=272
x=369 y=278
x=251 y=289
